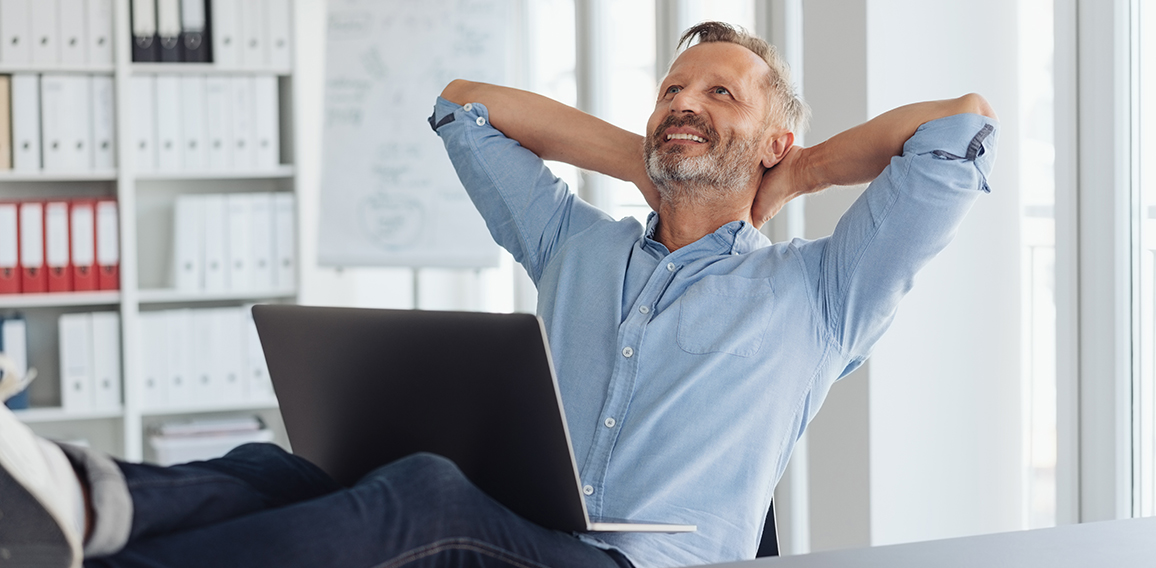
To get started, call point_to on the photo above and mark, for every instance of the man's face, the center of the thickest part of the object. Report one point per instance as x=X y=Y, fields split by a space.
x=709 y=123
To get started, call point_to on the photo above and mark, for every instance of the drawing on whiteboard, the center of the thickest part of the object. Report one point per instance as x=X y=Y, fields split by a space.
x=391 y=221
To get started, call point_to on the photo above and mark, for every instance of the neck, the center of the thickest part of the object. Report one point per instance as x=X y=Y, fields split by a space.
x=682 y=223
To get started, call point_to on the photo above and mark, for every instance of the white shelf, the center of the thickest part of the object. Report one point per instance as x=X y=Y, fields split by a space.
x=57 y=414
x=108 y=297
x=214 y=407
x=200 y=69
x=170 y=296
x=9 y=68
x=282 y=171
x=77 y=175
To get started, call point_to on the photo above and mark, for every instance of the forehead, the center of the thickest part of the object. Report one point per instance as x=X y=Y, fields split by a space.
x=718 y=61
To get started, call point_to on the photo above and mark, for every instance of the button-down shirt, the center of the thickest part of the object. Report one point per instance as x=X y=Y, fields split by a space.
x=688 y=376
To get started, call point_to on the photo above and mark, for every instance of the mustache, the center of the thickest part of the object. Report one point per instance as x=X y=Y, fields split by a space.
x=692 y=120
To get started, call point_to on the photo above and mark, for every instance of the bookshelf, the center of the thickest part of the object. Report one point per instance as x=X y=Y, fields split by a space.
x=145 y=200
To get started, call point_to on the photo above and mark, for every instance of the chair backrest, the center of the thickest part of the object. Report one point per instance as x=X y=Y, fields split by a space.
x=769 y=543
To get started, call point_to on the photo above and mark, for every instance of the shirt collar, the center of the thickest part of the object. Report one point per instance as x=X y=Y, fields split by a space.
x=736 y=237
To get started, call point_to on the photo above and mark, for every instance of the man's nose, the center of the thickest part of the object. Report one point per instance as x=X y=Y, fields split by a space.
x=685 y=101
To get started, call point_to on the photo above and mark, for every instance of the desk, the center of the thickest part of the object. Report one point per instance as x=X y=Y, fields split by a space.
x=1129 y=543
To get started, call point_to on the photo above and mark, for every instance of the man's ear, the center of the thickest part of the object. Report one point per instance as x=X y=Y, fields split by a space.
x=777 y=147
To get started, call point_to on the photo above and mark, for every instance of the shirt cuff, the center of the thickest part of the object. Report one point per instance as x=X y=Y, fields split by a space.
x=969 y=137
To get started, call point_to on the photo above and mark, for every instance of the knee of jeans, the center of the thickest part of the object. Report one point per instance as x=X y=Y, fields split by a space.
x=431 y=466
x=256 y=450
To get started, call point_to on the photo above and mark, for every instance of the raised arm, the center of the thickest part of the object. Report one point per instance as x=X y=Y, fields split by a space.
x=555 y=131
x=855 y=156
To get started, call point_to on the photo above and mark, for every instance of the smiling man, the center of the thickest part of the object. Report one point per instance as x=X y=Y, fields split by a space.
x=691 y=352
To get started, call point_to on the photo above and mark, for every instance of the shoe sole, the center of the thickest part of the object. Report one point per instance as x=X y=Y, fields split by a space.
x=29 y=535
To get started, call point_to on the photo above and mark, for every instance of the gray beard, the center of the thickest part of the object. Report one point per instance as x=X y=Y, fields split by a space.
x=723 y=173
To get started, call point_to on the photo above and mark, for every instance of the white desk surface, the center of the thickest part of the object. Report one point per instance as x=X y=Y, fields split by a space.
x=1116 y=544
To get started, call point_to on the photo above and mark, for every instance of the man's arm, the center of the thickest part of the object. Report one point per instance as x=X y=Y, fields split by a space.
x=555 y=131
x=855 y=156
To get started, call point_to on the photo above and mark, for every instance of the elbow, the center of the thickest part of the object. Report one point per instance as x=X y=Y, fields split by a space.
x=975 y=103
x=458 y=91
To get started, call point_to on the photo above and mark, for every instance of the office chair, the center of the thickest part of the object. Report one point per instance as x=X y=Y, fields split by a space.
x=769 y=543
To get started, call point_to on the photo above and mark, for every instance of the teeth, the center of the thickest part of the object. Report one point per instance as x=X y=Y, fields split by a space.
x=685 y=137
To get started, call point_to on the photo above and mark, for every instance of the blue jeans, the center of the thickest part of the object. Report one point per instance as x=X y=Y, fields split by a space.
x=261 y=506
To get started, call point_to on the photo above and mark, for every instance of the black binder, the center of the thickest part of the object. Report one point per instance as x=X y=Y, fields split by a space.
x=145 y=43
x=195 y=40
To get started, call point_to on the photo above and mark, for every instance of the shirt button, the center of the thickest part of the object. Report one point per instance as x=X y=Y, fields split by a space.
x=627 y=352
x=482 y=122
x=670 y=266
x=644 y=309
x=588 y=490
x=468 y=107
x=610 y=422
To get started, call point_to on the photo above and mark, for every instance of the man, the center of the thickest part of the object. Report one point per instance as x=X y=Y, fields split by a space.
x=691 y=353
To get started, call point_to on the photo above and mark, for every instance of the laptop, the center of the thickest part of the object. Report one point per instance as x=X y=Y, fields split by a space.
x=360 y=388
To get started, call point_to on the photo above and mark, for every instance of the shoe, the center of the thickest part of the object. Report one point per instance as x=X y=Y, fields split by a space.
x=41 y=520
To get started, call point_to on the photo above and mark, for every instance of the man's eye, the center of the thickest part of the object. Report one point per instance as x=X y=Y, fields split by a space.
x=721 y=91
x=673 y=89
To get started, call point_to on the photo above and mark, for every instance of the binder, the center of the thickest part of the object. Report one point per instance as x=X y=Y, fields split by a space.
x=260 y=386
x=168 y=111
x=5 y=123
x=78 y=122
x=83 y=233
x=10 y=272
x=154 y=357
x=169 y=30
x=244 y=129
x=225 y=29
x=240 y=243
x=99 y=16
x=15 y=28
x=178 y=339
x=143 y=88
x=215 y=239
x=33 y=278
x=73 y=32
x=192 y=121
x=261 y=235
x=56 y=245
x=194 y=46
x=145 y=47
x=76 y=392
x=106 y=360
x=253 y=34
x=25 y=121
x=54 y=118
x=45 y=29
x=107 y=245
x=266 y=117
x=103 y=103
x=188 y=257
x=231 y=354
x=219 y=123
x=14 y=344
x=206 y=384
x=280 y=32
x=285 y=245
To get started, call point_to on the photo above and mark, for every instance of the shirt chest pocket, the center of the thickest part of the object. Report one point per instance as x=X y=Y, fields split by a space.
x=725 y=314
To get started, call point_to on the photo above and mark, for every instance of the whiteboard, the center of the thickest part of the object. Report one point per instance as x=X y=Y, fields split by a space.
x=389 y=195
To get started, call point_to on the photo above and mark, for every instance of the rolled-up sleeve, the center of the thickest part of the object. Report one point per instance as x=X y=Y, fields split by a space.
x=903 y=219
x=528 y=210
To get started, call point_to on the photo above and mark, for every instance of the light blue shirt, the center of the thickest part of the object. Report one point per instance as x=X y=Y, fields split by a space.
x=687 y=377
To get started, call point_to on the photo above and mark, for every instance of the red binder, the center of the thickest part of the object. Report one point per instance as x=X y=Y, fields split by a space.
x=56 y=245
x=9 y=248
x=107 y=245
x=83 y=228
x=33 y=277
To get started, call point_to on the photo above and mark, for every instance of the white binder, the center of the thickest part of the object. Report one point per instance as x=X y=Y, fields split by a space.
x=261 y=234
x=254 y=32
x=73 y=32
x=225 y=31
x=168 y=112
x=98 y=17
x=266 y=118
x=280 y=32
x=285 y=227
x=106 y=360
x=206 y=386
x=260 y=386
x=231 y=355
x=54 y=120
x=216 y=256
x=45 y=32
x=79 y=122
x=76 y=363
x=153 y=359
x=188 y=240
x=25 y=121
x=219 y=123
x=103 y=105
x=244 y=129
x=192 y=118
x=178 y=339
x=143 y=94
x=15 y=31
x=240 y=247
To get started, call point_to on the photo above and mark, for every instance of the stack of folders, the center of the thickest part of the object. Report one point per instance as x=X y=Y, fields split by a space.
x=197 y=122
x=204 y=439
x=90 y=362
x=202 y=358
x=56 y=32
x=245 y=34
x=237 y=242
x=66 y=245
x=58 y=122
x=14 y=345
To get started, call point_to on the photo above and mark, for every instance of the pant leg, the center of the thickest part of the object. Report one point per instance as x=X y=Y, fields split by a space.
x=417 y=511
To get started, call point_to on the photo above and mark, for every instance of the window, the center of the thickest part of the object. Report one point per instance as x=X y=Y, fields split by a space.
x=1144 y=257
